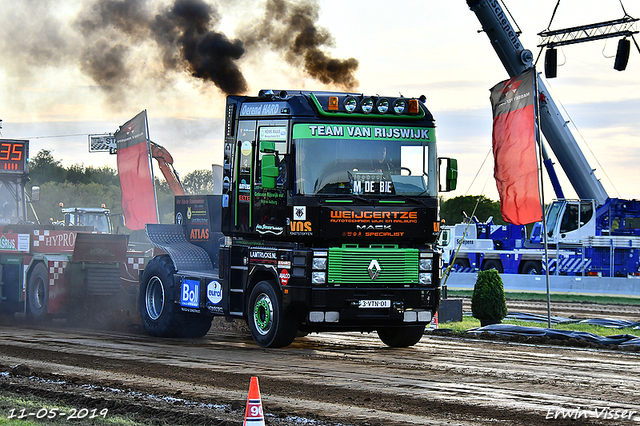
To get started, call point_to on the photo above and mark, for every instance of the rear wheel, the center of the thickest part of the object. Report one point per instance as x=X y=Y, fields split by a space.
x=531 y=267
x=401 y=337
x=38 y=292
x=461 y=265
x=492 y=264
x=161 y=316
x=270 y=326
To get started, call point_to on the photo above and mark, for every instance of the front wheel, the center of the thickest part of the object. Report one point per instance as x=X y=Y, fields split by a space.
x=270 y=327
x=401 y=337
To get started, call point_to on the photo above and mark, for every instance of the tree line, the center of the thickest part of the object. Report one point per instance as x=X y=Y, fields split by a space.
x=87 y=186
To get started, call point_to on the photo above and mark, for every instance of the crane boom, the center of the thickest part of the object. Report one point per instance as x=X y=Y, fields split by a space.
x=165 y=163
x=516 y=59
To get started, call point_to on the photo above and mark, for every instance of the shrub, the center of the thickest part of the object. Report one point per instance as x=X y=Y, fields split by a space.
x=488 y=303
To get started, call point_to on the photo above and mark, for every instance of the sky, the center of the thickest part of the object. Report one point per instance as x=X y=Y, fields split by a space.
x=71 y=68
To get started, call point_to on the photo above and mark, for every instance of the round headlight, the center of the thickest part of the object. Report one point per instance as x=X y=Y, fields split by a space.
x=350 y=104
x=367 y=105
x=382 y=105
x=399 y=106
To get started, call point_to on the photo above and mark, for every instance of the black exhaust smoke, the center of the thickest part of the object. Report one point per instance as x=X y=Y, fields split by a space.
x=130 y=47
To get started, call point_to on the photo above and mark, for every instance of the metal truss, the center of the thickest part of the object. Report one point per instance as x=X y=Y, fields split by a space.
x=624 y=27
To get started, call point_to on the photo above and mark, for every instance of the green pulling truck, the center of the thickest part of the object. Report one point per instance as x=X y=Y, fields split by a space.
x=327 y=220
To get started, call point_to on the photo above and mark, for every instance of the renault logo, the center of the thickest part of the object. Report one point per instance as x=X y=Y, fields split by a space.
x=374 y=269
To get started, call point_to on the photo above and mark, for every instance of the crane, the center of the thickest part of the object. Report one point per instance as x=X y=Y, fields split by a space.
x=516 y=59
x=165 y=162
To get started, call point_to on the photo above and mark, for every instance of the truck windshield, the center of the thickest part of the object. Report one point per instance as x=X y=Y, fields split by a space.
x=552 y=216
x=8 y=212
x=363 y=166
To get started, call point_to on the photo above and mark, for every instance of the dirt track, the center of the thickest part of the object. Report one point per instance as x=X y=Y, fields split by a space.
x=348 y=379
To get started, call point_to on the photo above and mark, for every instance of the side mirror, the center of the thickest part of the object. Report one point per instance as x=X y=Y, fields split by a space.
x=35 y=194
x=267 y=147
x=269 y=171
x=450 y=177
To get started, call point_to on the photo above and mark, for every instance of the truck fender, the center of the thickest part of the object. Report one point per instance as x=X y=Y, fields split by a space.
x=259 y=273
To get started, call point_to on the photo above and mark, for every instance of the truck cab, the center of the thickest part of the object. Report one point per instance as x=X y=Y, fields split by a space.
x=98 y=217
x=569 y=221
x=328 y=219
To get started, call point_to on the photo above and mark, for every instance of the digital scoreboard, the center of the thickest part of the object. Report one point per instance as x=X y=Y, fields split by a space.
x=13 y=156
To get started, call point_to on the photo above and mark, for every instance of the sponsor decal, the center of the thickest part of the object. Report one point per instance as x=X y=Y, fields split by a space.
x=214 y=292
x=284 y=264
x=263 y=255
x=348 y=216
x=46 y=239
x=7 y=244
x=196 y=202
x=399 y=133
x=269 y=229
x=190 y=294
x=215 y=309
x=297 y=227
x=273 y=133
x=179 y=218
x=189 y=212
x=299 y=212
x=266 y=196
x=262 y=108
x=199 y=234
x=284 y=276
x=244 y=186
x=366 y=222
x=245 y=148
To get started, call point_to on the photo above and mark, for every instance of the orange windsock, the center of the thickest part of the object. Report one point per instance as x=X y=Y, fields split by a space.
x=253 y=415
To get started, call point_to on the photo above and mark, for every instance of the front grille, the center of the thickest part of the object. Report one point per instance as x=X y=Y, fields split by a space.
x=350 y=267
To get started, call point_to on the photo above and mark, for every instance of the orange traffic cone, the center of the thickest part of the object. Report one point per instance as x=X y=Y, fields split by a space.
x=253 y=415
x=434 y=321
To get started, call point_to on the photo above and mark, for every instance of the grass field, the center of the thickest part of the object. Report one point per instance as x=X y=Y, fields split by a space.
x=15 y=410
x=469 y=322
x=564 y=297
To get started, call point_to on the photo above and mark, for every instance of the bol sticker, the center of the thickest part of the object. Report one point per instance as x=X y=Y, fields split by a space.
x=284 y=277
x=214 y=292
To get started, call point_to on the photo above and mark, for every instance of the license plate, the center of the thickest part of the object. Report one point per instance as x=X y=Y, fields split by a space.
x=375 y=304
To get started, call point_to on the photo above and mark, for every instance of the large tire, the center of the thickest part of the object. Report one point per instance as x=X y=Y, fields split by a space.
x=401 y=337
x=492 y=264
x=532 y=267
x=38 y=292
x=160 y=315
x=461 y=264
x=270 y=326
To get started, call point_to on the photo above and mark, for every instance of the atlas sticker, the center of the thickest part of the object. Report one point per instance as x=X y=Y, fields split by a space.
x=214 y=292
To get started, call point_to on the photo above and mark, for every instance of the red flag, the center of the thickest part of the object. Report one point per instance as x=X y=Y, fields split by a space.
x=514 y=151
x=134 y=169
